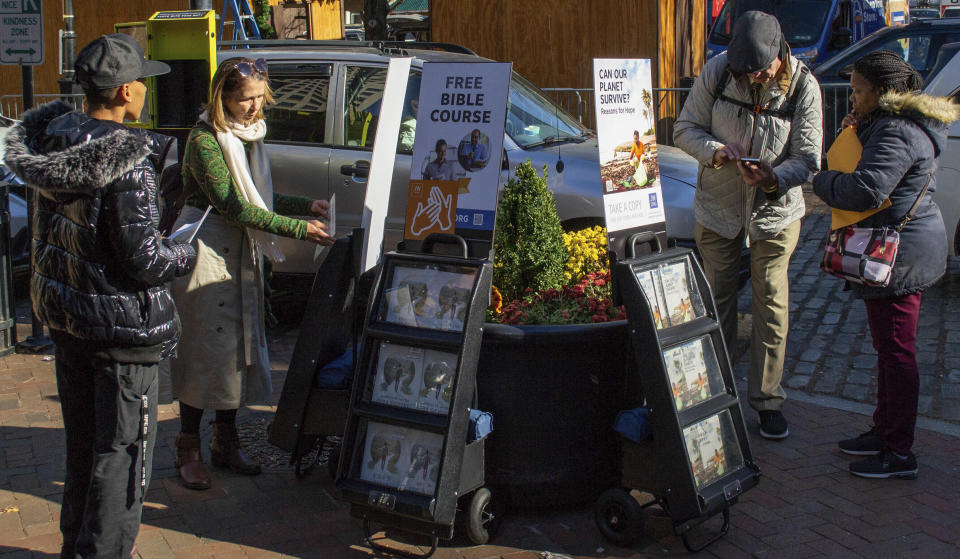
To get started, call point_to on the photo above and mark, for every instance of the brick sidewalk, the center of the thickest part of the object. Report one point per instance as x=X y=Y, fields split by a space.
x=806 y=505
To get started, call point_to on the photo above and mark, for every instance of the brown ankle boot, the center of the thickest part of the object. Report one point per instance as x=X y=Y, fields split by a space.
x=225 y=450
x=189 y=462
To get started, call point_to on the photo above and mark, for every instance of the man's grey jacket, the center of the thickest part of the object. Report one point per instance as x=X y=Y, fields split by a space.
x=724 y=203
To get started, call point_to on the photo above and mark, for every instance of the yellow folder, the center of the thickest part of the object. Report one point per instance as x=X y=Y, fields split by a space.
x=843 y=156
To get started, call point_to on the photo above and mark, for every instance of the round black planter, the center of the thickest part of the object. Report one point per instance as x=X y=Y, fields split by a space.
x=554 y=392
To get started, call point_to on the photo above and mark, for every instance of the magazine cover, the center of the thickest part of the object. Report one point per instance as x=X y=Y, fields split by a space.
x=399 y=369
x=436 y=385
x=688 y=373
x=414 y=378
x=421 y=462
x=705 y=450
x=676 y=292
x=428 y=297
x=383 y=448
x=650 y=283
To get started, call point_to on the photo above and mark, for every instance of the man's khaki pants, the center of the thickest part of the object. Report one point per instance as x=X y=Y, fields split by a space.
x=769 y=263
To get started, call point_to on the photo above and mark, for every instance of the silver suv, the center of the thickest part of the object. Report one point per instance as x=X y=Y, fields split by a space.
x=321 y=130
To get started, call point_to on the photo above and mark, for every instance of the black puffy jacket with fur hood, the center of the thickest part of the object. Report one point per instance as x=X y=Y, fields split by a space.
x=101 y=266
x=902 y=142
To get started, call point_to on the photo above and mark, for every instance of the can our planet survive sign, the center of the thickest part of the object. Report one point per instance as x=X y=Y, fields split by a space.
x=627 y=146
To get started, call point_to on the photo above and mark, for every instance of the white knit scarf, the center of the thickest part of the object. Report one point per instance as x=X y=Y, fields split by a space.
x=252 y=175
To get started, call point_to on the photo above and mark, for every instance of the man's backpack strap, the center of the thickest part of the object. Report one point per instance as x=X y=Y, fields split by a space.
x=785 y=113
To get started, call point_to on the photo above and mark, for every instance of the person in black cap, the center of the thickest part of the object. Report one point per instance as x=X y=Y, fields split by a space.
x=99 y=283
x=753 y=121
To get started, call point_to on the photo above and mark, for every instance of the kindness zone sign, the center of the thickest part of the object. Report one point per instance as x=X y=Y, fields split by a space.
x=455 y=169
x=627 y=145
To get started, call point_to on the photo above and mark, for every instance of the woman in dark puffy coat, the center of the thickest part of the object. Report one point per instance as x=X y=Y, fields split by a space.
x=903 y=133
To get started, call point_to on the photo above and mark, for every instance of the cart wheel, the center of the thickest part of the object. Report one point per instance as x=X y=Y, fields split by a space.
x=482 y=519
x=619 y=516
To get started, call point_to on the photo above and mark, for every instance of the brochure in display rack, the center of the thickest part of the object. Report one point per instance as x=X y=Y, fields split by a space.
x=428 y=296
x=414 y=378
x=712 y=448
x=693 y=375
x=401 y=458
x=667 y=288
x=705 y=450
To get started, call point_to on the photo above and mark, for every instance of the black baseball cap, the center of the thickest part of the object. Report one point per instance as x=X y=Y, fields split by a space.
x=113 y=60
x=756 y=42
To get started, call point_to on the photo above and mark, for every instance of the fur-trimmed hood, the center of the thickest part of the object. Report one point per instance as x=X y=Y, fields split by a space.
x=59 y=150
x=920 y=105
x=933 y=114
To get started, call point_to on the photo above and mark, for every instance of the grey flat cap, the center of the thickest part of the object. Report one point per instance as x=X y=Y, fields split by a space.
x=755 y=43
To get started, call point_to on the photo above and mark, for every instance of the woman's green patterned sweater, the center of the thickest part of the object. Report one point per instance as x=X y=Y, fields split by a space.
x=207 y=178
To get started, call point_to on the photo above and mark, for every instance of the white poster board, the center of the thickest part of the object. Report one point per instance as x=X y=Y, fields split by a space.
x=21 y=32
x=462 y=112
x=627 y=145
x=377 y=196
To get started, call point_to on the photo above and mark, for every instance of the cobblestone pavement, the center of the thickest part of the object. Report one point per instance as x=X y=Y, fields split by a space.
x=806 y=505
x=829 y=349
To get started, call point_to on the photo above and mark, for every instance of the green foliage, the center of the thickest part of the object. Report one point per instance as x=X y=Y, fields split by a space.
x=529 y=250
x=650 y=132
x=263 y=11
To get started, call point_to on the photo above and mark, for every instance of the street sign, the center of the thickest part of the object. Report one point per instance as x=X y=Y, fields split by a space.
x=21 y=32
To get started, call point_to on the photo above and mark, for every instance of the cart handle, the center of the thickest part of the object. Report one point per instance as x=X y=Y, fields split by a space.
x=648 y=237
x=446 y=239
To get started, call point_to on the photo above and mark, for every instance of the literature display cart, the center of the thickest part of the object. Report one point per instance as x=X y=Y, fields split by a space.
x=698 y=461
x=405 y=459
x=307 y=413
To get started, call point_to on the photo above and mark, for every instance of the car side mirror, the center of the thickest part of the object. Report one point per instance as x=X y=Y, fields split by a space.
x=842 y=38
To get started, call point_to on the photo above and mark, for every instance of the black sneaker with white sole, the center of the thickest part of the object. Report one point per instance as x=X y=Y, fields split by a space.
x=886 y=464
x=773 y=425
x=865 y=444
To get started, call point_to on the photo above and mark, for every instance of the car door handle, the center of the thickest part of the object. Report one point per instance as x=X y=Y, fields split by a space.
x=356 y=170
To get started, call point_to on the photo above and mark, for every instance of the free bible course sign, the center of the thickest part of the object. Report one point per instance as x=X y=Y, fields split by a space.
x=455 y=169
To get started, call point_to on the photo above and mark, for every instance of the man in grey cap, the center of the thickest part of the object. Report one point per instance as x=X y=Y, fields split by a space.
x=99 y=283
x=753 y=121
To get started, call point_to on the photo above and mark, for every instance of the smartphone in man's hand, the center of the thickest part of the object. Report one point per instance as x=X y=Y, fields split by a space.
x=750 y=161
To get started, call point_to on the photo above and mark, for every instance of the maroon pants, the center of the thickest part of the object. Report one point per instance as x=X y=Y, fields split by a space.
x=893 y=325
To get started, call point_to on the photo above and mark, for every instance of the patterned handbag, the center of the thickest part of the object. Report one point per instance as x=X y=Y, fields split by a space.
x=866 y=255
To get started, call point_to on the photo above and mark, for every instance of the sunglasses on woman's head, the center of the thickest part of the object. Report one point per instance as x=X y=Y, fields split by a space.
x=247 y=68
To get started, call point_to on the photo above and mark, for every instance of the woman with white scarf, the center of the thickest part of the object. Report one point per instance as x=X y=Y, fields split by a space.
x=222 y=357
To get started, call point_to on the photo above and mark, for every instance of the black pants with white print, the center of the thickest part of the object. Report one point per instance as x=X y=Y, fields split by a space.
x=108 y=397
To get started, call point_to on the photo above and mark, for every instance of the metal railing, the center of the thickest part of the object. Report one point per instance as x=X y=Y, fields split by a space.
x=11 y=106
x=836 y=105
x=667 y=102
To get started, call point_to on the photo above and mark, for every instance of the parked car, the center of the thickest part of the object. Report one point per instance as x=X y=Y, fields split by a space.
x=320 y=146
x=947 y=196
x=919 y=43
x=815 y=29
x=917 y=14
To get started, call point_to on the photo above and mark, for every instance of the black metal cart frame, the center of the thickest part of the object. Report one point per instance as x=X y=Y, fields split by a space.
x=698 y=461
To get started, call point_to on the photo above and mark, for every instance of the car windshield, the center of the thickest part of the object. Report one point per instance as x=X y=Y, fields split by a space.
x=920 y=13
x=802 y=21
x=534 y=119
